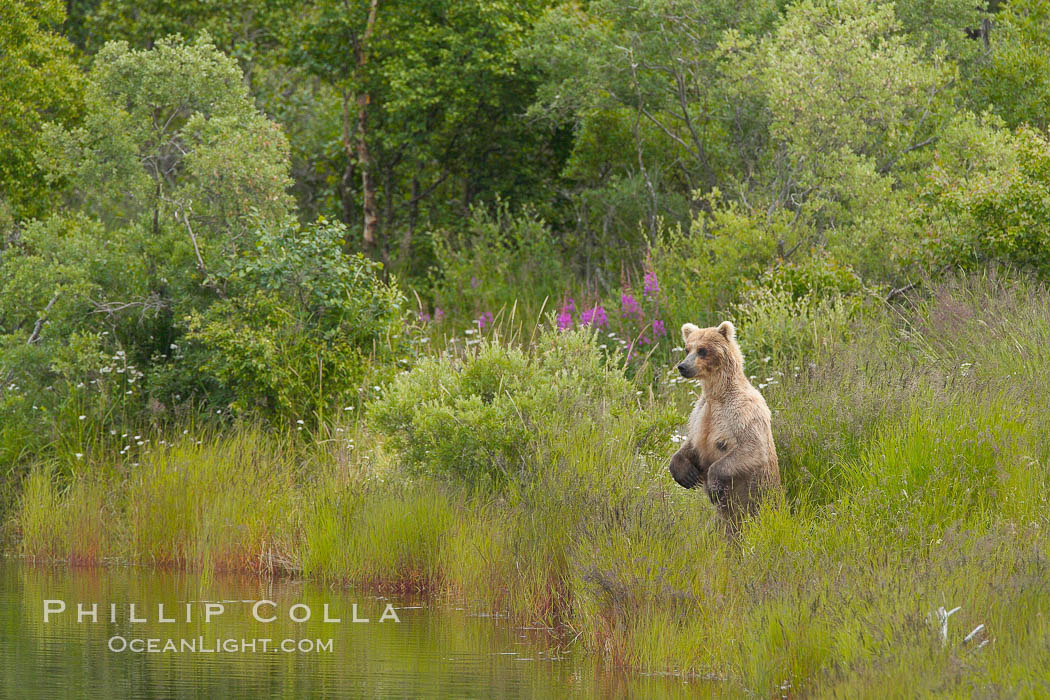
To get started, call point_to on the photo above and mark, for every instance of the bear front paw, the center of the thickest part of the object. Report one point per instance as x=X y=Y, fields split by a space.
x=719 y=490
x=684 y=472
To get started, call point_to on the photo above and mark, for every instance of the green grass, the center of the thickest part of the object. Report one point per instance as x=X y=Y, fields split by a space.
x=916 y=472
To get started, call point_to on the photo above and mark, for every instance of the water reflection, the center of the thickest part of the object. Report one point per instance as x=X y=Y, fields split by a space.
x=434 y=652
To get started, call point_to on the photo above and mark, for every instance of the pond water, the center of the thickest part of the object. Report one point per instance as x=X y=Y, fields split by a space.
x=191 y=648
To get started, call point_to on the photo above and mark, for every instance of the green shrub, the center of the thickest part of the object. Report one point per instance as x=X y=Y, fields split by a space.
x=488 y=265
x=1015 y=82
x=818 y=274
x=799 y=307
x=702 y=270
x=1000 y=214
x=294 y=339
x=479 y=416
x=776 y=324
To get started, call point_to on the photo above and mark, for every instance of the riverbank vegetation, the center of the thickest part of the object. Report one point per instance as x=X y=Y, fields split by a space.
x=529 y=478
x=338 y=293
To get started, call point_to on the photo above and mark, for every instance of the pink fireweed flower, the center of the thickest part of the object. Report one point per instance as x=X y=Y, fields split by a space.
x=629 y=306
x=659 y=329
x=651 y=285
x=565 y=314
x=483 y=320
x=595 y=316
x=424 y=317
x=439 y=313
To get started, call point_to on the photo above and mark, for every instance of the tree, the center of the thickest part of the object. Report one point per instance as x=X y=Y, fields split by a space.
x=843 y=77
x=38 y=82
x=812 y=107
x=1016 y=78
x=641 y=85
x=336 y=46
x=430 y=93
x=185 y=259
x=171 y=142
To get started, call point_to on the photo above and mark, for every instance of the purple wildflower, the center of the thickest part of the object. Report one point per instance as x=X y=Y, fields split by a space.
x=629 y=306
x=424 y=317
x=595 y=316
x=474 y=282
x=659 y=329
x=565 y=314
x=483 y=320
x=439 y=313
x=651 y=284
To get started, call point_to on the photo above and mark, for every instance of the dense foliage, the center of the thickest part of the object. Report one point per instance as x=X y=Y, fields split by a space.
x=392 y=289
x=236 y=202
x=172 y=174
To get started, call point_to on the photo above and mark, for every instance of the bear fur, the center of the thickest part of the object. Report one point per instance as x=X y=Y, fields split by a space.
x=729 y=448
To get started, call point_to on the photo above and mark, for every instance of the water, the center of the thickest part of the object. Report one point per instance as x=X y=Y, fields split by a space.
x=435 y=651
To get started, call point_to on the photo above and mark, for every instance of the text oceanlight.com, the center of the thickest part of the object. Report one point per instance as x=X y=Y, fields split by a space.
x=202 y=645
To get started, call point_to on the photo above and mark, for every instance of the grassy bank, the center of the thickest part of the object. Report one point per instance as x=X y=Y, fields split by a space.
x=530 y=477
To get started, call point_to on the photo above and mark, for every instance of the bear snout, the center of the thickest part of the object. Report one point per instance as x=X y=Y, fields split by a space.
x=686 y=370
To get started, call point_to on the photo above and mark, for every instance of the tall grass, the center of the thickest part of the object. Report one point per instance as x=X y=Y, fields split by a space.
x=916 y=472
x=215 y=503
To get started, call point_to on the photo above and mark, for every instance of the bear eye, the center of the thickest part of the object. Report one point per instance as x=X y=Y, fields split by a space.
x=701 y=352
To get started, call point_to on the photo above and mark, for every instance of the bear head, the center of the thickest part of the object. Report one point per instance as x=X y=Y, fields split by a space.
x=710 y=351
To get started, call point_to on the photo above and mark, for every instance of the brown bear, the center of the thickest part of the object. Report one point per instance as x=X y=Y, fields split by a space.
x=729 y=448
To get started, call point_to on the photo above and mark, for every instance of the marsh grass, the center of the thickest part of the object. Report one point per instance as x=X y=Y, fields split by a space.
x=915 y=465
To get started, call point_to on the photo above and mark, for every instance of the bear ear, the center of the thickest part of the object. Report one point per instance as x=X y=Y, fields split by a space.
x=727 y=329
x=687 y=330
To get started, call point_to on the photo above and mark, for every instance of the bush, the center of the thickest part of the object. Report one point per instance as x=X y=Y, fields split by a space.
x=775 y=323
x=1016 y=81
x=787 y=300
x=485 y=268
x=997 y=215
x=478 y=416
x=294 y=339
x=818 y=274
x=703 y=270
